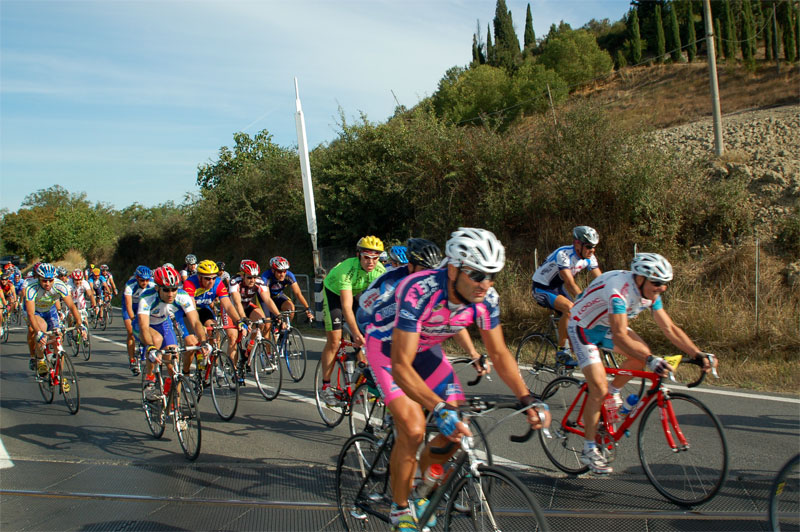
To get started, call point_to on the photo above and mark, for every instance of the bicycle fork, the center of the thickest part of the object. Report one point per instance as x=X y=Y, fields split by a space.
x=669 y=422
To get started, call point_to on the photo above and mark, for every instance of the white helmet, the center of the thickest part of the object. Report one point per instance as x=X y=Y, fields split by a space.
x=586 y=235
x=476 y=248
x=652 y=266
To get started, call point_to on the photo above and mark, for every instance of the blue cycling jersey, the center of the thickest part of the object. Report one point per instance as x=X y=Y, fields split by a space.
x=275 y=286
x=377 y=295
x=564 y=258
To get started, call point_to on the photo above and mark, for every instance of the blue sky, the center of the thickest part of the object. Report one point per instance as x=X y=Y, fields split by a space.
x=124 y=99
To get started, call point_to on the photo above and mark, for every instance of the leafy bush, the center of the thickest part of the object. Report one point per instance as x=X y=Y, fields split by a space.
x=575 y=56
x=788 y=238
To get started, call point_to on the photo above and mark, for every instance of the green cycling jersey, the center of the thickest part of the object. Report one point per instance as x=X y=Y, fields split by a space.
x=349 y=275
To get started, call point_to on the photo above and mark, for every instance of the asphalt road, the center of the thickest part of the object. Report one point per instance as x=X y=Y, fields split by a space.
x=272 y=466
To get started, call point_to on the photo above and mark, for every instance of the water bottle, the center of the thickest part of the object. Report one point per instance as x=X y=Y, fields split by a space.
x=430 y=479
x=350 y=367
x=201 y=361
x=250 y=345
x=611 y=409
x=628 y=405
x=167 y=385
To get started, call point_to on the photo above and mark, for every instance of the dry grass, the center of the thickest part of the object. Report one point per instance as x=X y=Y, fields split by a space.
x=72 y=260
x=713 y=300
x=662 y=96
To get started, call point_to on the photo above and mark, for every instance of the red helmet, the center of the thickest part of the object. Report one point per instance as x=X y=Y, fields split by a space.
x=279 y=263
x=249 y=267
x=77 y=274
x=167 y=277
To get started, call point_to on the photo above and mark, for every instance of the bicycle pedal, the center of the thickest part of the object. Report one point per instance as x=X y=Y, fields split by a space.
x=65 y=386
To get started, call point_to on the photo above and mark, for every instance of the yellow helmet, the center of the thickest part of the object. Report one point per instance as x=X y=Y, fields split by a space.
x=370 y=242
x=96 y=271
x=207 y=267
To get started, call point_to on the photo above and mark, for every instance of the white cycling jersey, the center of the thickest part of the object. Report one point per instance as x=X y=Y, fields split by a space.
x=564 y=258
x=150 y=303
x=78 y=292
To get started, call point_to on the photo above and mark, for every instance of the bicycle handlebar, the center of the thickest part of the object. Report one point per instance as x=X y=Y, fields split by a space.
x=698 y=361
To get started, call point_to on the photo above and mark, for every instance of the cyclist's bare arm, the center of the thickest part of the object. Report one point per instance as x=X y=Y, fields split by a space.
x=270 y=304
x=678 y=337
x=569 y=283
x=404 y=351
x=346 y=298
x=236 y=298
x=129 y=304
x=300 y=299
x=230 y=309
x=597 y=272
x=73 y=308
x=465 y=342
x=624 y=342
x=93 y=299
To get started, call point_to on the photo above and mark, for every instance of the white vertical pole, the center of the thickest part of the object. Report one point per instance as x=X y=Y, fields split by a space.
x=757 y=268
x=712 y=69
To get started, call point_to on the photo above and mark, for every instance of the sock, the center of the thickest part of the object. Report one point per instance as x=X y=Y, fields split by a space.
x=612 y=389
x=589 y=445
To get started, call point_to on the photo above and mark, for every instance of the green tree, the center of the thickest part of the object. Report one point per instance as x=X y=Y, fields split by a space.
x=635 y=37
x=730 y=38
x=660 y=40
x=768 y=42
x=529 y=89
x=691 y=36
x=530 y=35
x=676 y=51
x=620 y=60
x=788 y=30
x=490 y=49
x=506 y=42
x=475 y=55
x=575 y=56
x=471 y=95
x=748 y=32
x=718 y=37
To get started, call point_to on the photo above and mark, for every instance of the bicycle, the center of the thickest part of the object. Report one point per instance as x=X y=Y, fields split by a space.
x=219 y=374
x=78 y=342
x=536 y=358
x=683 y=450
x=784 y=497
x=345 y=379
x=179 y=404
x=60 y=373
x=109 y=311
x=261 y=355
x=6 y=326
x=291 y=345
x=475 y=495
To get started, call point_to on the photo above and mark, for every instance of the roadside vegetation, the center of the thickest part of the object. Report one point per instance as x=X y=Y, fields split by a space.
x=488 y=149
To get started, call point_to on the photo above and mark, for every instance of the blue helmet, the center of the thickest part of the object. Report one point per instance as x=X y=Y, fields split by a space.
x=398 y=254
x=46 y=270
x=143 y=272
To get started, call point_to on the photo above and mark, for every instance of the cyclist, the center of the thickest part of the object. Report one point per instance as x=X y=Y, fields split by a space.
x=341 y=288
x=554 y=284
x=100 y=286
x=277 y=279
x=9 y=290
x=250 y=296
x=190 y=268
x=157 y=306
x=40 y=306
x=3 y=301
x=411 y=369
x=206 y=287
x=140 y=281
x=109 y=278
x=78 y=289
x=397 y=256
x=600 y=318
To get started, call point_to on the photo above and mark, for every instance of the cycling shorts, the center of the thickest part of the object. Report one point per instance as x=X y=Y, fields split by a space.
x=332 y=310
x=125 y=315
x=50 y=317
x=431 y=365
x=279 y=300
x=167 y=332
x=546 y=297
x=586 y=343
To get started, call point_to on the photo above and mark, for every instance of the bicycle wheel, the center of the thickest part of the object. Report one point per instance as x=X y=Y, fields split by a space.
x=46 y=386
x=68 y=382
x=296 y=357
x=784 y=498
x=565 y=447
x=694 y=472
x=224 y=387
x=104 y=318
x=267 y=369
x=493 y=500
x=110 y=314
x=536 y=356
x=332 y=414
x=6 y=327
x=367 y=411
x=479 y=442
x=187 y=419
x=154 y=410
x=71 y=342
x=86 y=345
x=361 y=486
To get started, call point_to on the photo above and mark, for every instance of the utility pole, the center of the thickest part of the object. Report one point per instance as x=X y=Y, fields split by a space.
x=712 y=68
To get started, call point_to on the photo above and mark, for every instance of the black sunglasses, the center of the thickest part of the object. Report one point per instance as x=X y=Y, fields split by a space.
x=657 y=284
x=589 y=246
x=479 y=277
x=169 y=288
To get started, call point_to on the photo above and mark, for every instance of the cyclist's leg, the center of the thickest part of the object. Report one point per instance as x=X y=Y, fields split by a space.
x=563 y=305
x=409 y=423
x=33 y=345
x=630 y=363
x=332 y=312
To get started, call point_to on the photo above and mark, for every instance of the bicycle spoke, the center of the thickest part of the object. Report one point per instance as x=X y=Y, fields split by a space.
x=564 y=448
x=187 y=419
x=784 y=500
x=267 y=369
x=359 y=485
x=224 y=387
x=332 y=414
x=69 y=385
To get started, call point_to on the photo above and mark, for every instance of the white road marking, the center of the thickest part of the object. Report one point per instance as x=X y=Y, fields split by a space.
x=5 y=460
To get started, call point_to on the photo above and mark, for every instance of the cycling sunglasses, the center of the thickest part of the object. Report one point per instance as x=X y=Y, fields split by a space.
x=479 y=277
x=169 y=288
x=657 y=284
x=370 y=256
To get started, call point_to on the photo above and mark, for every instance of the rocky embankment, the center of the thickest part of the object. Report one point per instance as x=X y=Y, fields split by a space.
x=762 y=146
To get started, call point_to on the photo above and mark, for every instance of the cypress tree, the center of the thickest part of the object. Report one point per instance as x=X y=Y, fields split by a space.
x=475 y=59
x=675 y=33
x=691 y=36
x=748 y=32
x=530 y=36
x=718 y=37
x=636 y=38
x=789 y=48
x=797 y=31
x=730 y=33
x=660 y=41
x=768 y=55
x=620 y=59
x=490 y=56
x=506 y=42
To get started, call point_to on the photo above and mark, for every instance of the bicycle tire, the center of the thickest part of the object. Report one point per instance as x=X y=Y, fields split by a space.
x=537 y=353
x=46 y=386
x=357 y=482
x=331 y=415
x=68 y=385
x=71 y=343
x=6 y=327
x=479 y=442
x=565 y=447
x=86 y=345
x=104 y=317
x=295 y=353
x=110 y=314
x=267 y=369
x=784 y=497
x=224 y=387
x=493 y=500
x=187 y=419
x=693 y=475
x=367 y=411
x=154 y=410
